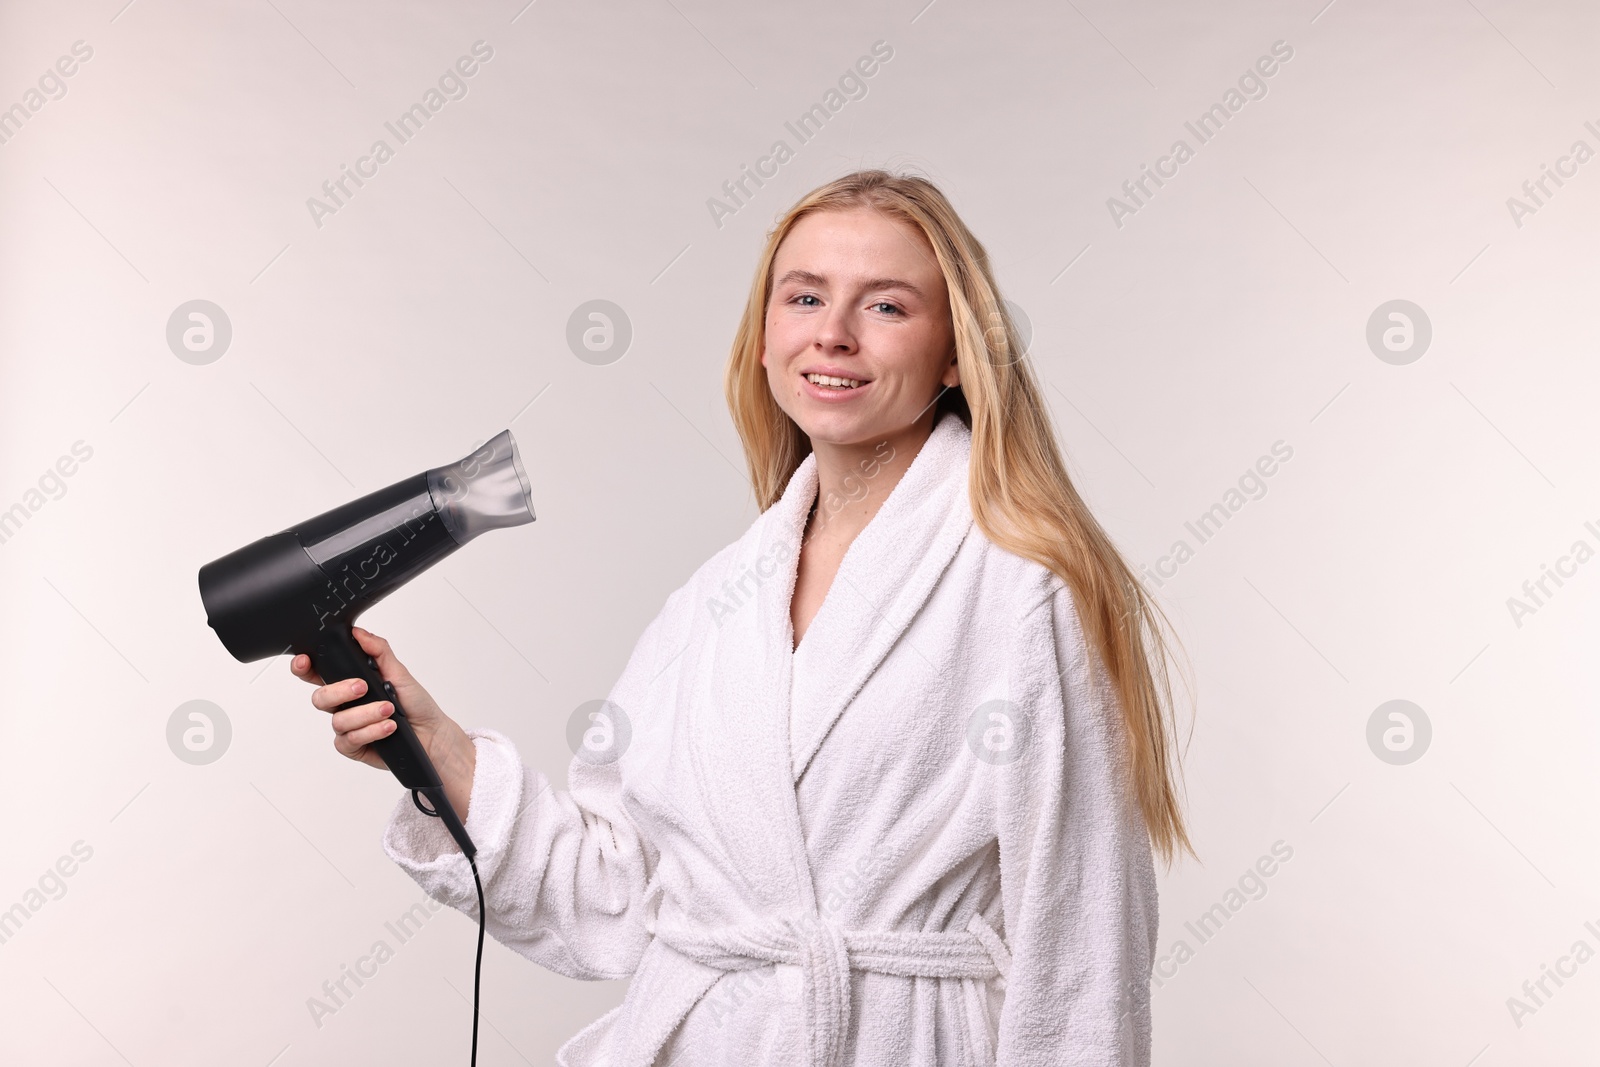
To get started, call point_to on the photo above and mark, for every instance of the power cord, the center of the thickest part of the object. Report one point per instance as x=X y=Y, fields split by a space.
x=477 y=967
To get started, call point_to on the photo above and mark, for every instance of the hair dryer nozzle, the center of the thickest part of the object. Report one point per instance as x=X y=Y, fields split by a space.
x=487 y=490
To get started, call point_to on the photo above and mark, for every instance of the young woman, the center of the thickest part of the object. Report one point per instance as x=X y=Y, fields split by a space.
x=895 y=759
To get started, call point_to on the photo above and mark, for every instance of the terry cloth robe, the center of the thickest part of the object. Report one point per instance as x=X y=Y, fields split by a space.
x=909 y=842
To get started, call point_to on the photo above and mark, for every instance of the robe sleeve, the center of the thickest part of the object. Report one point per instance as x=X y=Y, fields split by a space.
x=566 y=874
x=1078 y=884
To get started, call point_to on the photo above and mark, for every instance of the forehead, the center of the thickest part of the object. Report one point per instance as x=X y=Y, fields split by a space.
x=856 y=244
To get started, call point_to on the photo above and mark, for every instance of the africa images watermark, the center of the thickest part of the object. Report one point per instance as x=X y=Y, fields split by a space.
x=366 y=967
x=400 y=532
x=852 y=85
x=50 y=86
x=52 y=481
x=1536 y=992
x=452 y=85
x=52 y=885
x=1251 y=885
x=1537 y=591
x=1252 y=85
x=1531 y=201
x=1209 y=522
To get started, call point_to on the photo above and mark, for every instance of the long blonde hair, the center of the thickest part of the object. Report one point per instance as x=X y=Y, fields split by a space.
x=1022 y=498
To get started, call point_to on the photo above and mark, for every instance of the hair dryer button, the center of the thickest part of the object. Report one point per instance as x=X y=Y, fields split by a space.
x=372 y=663
x=387 y=688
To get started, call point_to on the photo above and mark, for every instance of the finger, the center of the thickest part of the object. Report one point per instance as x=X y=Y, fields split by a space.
x=358 y=717
x=300 y=667
x=329 y=697
x=351 y=743
x=389 y=668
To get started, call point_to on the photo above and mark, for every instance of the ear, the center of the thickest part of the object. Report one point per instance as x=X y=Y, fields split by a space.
x=952 y=373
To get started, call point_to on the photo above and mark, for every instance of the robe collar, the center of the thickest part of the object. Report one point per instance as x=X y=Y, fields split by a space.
x=885 y=577
x=888 y=573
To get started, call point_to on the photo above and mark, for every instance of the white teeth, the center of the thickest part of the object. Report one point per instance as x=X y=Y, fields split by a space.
x=837 y=383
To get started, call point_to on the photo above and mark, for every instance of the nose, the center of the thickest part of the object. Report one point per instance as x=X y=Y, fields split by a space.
x=835 y=331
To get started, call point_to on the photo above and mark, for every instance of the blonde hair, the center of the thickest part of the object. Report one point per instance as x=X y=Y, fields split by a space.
x=1022 y=498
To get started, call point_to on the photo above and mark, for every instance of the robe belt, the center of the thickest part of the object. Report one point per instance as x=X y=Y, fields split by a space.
x=826 y=954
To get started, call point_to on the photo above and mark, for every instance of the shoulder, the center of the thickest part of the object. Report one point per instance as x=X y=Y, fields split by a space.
x=1042 y=612
x=1017 y=584
x=1058 y=675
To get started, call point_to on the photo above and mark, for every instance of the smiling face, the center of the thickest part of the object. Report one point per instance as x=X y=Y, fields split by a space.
x=860 y=297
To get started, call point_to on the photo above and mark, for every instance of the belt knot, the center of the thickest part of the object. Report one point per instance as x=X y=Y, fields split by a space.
x=827 y=953
x=825 y=988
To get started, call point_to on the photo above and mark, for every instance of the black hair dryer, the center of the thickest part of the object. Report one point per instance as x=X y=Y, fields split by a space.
x=300 y=590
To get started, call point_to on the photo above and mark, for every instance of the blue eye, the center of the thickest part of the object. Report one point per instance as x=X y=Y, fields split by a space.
x=806 y=296
x=886 y=304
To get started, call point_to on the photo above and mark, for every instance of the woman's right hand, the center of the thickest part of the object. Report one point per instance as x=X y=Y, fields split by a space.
x=355 y=729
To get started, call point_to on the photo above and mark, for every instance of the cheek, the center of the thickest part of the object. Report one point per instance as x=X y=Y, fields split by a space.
x=771 y=354
x=781 y=342
x=924 y=357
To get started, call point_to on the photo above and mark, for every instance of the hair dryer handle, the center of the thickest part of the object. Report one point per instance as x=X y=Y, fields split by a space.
x=338 y=656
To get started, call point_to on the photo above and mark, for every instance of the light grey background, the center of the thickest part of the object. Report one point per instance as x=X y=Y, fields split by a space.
x=1229 y=313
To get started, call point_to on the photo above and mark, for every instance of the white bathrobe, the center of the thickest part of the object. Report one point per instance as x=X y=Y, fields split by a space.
x=910 y=842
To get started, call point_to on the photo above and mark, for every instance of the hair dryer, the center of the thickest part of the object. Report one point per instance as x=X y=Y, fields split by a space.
x=301 y=589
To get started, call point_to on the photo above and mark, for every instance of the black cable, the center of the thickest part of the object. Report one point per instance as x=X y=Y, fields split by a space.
x=477 y=967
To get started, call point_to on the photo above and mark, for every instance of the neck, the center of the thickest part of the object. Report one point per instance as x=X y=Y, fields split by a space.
x=854 y=480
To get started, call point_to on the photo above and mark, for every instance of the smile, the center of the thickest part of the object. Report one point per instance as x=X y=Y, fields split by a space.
x=833 y=383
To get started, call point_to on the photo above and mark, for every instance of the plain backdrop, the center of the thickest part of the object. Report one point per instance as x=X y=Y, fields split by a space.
x=1180 y=338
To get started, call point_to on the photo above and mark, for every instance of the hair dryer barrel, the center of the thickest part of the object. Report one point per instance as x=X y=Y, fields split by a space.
x=281 y=593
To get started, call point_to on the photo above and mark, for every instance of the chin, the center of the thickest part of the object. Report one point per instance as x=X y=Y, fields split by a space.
x=842 y=428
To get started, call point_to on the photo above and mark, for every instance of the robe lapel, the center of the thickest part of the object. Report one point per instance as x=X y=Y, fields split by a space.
x=886 y=576
x=741 y=730
x=745 y=766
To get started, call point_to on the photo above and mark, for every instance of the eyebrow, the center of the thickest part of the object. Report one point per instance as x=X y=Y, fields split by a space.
x=811 y=278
